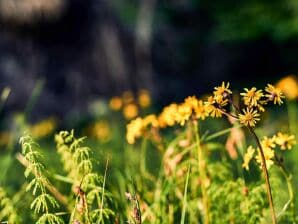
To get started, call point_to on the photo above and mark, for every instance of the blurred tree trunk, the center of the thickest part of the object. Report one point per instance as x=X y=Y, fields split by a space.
x=143 y=40
x=114 y=56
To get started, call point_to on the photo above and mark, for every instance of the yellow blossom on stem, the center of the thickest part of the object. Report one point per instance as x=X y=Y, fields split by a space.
x=248 y=156
x=260 y=105
x=150 y=119
x=201 y=110
x=251 y=96
x=269 y=155
x=183 y=113
x=221 y=94
x=134 y=130
x=274 y=94
x=249 y=117
x=268 y=142
x=167 y=116
x=285 y=141
x=212 y=107
x=191 y=101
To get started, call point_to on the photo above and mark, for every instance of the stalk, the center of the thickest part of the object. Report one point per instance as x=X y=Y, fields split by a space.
x=202 y=173
x=288 y=178
x=264 y=167
x=266 y=175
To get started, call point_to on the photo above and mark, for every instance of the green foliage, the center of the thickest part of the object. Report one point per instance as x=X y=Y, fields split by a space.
x=43 y=201
x=170 y=181
x=235 y=202
x=49 y=218
x=7 y=208
x=90 y=186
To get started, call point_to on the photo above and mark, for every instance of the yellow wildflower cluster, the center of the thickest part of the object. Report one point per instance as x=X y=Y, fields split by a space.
x=221 y=94
x=136 y=127
x=43 y=128
x=130 y=104
x=217 y=105
x=170 y=116
x=282 y=140
x=255 y=100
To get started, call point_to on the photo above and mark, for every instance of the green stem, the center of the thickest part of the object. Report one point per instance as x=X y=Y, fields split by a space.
x=220 y=133
x=202 y=173
x=103 y=191
x=143 y=167
x=288 y=178
x=266 y=175
x=185 y=197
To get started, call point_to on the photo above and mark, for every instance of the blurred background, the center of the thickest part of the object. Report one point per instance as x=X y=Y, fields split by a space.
x=77 y=52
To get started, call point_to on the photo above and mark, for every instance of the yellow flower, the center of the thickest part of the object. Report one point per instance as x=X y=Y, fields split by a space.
x=274 y=94
x=137 y=127
x=130 y=111
x=260 y=105
x=212 y=108
x=150 y=120
x=134 y=130
x=248 y=156
x=249 y=117
x=289 y=86
x=115 y=103
x=268 y=142
x=101 y=130
x=201 y=110
x=167 y=116
x=144 y=98
x=43 y=128
x=252 y=96
x=285 y=141
x=268 y=154
x=183 y=113
x=191 y=101
x=221 y=94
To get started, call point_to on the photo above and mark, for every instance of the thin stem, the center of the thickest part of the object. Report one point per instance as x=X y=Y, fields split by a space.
x=266 y=175
x=202 y=173
x=227 y=113
x=103 y=190
x=59 y=196
x=143 y=167
x=220 y=133
x=288 y=178
x=185 y=197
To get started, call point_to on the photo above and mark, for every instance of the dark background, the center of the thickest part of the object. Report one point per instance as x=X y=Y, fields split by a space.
x=89 y=49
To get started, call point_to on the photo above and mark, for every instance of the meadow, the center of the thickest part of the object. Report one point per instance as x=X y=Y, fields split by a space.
x=229 y=156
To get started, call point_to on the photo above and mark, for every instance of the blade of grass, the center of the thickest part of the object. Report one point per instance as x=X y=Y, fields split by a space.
x=185 y=197
x=103 y=190
x=34 y=96
x=220 y=133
